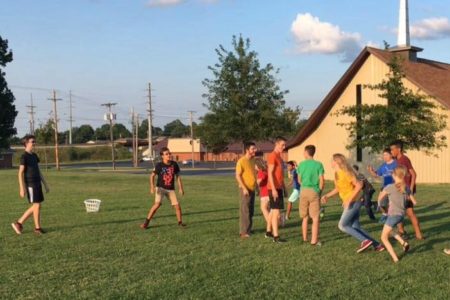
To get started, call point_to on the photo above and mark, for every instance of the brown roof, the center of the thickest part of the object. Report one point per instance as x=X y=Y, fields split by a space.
x=432 y=77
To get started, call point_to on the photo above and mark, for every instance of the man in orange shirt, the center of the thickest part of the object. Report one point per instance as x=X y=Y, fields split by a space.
x=277 y=188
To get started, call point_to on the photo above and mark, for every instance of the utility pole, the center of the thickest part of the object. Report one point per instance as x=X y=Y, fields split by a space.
x=55 y=119
x=191 y=112
x=132 y=137
x=31 y=112
x=70 y=118
x=137 y=140
x=150 y=120
x=109 y=116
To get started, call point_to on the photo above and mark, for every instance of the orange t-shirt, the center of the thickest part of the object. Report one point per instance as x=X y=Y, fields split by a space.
x=274 y=159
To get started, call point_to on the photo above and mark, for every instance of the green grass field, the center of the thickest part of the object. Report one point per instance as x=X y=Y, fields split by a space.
x=106 y=254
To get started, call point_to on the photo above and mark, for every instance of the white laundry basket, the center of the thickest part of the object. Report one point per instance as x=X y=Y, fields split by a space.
x=92 y=205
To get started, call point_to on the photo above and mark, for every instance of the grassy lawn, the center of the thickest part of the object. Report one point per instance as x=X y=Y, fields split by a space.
x=107 y=255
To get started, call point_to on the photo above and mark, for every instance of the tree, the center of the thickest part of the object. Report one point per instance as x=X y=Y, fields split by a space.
x=119 y=131
x=244 y=100
x=176 y=128
x=83 y=134
x=8 y=111
x=143 y=130
x=406 y=116
x=45 y=134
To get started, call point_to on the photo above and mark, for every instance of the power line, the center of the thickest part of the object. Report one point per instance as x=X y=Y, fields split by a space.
x=31 y=112
x=55 y=115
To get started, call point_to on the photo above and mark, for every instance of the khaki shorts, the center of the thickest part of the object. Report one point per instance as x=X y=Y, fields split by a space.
x=309 y=203
x=170 y=194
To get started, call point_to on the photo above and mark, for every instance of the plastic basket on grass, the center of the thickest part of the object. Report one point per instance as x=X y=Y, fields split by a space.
x=92 y=205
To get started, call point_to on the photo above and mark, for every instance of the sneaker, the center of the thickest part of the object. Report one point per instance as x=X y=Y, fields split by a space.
x=405 y=247
x=318 y=244
x=364 y=245
x=268 y=234
x=39 y=231
x=382 y=219
x=144 y=226
x=380 y=248
x=181 y=225
x=276 y=239
x=18 y=228
x=244 y=235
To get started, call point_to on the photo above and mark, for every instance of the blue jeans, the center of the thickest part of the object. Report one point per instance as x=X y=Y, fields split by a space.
x=349 y=223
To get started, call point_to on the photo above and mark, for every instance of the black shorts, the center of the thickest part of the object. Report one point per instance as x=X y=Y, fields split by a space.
x=276 y=203
x=409 y=204
x=34 y=192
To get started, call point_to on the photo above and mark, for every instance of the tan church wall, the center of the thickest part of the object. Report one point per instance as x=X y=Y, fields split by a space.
x=330 y=138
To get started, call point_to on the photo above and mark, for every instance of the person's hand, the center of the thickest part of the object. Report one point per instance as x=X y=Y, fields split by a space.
x=275 y=194
x=152 y=190
x=245 y=192
x=181 y=191
x=47 y=189
x=22 y=193
x=414 y=201
x=370 y=168
x=324 y=199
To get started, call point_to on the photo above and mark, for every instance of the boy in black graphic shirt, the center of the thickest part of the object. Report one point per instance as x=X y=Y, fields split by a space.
x=167 y=171
x=30 y=178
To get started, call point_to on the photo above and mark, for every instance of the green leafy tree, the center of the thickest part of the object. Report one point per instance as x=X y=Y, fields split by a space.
x=245 y=101
x=82 y=134
x=119 y=131
x=143 y=130
x=45 y=134
x=405 y=115
x=176 y=128
x=8 y=111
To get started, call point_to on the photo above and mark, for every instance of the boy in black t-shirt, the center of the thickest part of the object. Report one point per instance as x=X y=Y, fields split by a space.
x=30 y=178
x=167 y=171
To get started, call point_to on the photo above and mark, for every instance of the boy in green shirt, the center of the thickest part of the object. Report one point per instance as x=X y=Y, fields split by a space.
x=311 y=178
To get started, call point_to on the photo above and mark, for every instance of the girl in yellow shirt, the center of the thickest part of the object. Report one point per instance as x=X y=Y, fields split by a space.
x=348 y=187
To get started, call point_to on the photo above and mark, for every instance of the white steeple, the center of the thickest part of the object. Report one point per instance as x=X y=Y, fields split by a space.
x=403 y=39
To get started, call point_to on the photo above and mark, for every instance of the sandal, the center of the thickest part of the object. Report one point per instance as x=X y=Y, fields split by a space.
x=405 y=247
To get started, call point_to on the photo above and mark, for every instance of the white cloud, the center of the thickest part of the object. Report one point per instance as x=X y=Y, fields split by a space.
x=163 y=3
x=313 y=36
x=431 y=29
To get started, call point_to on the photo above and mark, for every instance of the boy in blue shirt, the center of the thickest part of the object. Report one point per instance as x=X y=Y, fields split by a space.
x=291 y=166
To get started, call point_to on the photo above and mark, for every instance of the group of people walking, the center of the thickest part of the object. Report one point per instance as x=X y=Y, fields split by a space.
x=395 y=200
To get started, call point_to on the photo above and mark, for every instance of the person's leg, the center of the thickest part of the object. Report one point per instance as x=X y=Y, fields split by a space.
x=244 y=214
x=26 y=214
x=357 y=225
x=415 y=222
x=275 y=214
x=368 y=205
x=305 y=229
x=251 y=211
x=348 y=219
x=154 y=208
x=288 y=210
x=385 y=239
x=292 y=198
x=265 y=212
x=314 y=214
x=37 y=215
x=176 y=205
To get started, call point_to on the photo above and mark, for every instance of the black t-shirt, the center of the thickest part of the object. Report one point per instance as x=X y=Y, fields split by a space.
x=166 y=174
x=30 y=161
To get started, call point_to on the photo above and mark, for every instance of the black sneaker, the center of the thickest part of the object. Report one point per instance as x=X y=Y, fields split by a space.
x=268 y=235
x=276 y=239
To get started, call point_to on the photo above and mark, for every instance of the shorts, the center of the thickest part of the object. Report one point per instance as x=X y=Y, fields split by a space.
x=34 y=192
x=409 y=204
x=265 y=199
x=309 y=203
x=276 y=203
x=170 y=194
x=392 y=221
x=294 y=196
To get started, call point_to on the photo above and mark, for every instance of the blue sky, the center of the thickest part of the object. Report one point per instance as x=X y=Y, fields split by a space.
x=109 y=50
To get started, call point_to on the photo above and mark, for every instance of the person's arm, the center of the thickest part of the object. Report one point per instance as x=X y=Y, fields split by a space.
x=152 y=183
x=180 y=185
x=240 y=181
x=270 y=170
x=21 y=181
x=372 y=172
x=330 y=194
x=413 y=174
x=321 y=182
x=358 y=187
x=47 y=189
x=381 y=195
x=413 y=199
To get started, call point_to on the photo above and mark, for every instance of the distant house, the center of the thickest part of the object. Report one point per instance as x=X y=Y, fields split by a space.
x=236 y=150
x=6 y=158
x=181 y=148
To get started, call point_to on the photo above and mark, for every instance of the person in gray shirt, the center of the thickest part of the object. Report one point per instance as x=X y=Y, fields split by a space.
x=398 y=193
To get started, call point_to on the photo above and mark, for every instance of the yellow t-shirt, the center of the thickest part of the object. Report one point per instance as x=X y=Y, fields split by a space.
x=344 y=184
x=246 y=168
